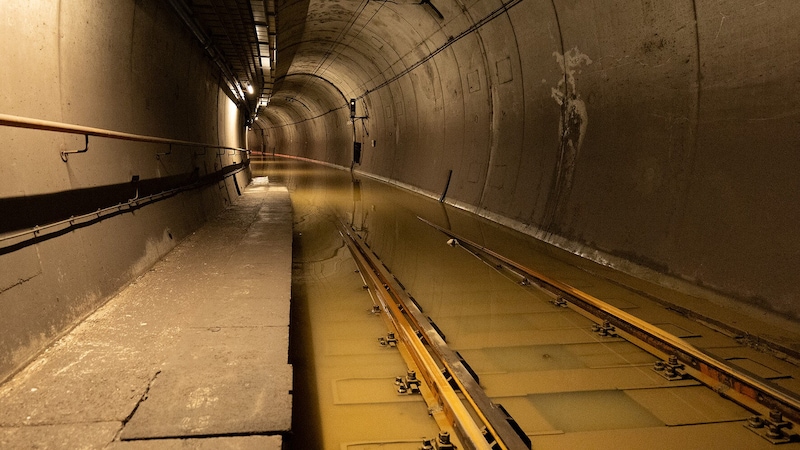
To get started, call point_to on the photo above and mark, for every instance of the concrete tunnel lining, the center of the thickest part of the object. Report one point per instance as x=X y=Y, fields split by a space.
x=104 y=66
x=647 y=178
x=657 y=138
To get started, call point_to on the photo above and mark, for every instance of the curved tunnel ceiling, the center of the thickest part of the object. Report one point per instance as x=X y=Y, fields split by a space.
x=354 y=45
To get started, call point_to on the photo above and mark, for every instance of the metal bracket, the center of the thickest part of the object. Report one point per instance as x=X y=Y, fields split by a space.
x=135 y=182
x=389 y=341
x=672 y=369
x=773 y=429
x=408 y=384
x=560 y=302
x=606 y=329
x=450 y=380
x=169 y=152
x=85 y=149
x=442 y=442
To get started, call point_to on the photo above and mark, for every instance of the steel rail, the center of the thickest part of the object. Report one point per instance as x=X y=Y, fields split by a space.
x=46 y=125
x=414 y=327
x=468 y=430
x=747 y=389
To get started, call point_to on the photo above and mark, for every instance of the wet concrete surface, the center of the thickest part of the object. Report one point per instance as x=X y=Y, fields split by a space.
x=196 y=347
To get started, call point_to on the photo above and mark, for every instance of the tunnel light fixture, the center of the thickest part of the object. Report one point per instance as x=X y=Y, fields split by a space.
x=249 y=87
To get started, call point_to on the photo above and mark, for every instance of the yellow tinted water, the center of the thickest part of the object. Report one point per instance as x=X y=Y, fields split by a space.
x=552 y=373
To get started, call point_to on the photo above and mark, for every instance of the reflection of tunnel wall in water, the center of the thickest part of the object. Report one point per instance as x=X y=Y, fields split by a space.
x=657 y=133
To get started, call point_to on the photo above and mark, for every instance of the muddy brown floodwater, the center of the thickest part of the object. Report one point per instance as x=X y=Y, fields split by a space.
x=565 y=385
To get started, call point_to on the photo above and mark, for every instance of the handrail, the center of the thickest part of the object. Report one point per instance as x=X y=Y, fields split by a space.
x=47 y=125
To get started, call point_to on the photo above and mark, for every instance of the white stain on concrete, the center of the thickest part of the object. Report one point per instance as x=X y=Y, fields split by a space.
x=574 y=119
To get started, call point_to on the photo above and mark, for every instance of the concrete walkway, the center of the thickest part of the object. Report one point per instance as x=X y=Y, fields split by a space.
x=193 y=354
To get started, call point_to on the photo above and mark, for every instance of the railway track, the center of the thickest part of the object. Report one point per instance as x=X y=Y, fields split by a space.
x=454 y=397
x=776 y=410
x=469 y=419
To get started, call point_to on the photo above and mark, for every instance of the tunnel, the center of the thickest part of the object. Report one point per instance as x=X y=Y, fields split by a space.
x=650 y=144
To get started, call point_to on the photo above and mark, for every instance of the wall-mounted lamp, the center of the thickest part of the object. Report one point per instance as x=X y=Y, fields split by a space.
x=352 y=108
x=249 y=88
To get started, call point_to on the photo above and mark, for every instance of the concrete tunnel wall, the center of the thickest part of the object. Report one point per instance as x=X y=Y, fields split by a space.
x=659 y=137
x=129 y=66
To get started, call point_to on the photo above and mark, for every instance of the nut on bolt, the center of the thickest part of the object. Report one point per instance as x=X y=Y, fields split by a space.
x=389 y=341
x=755 y=422
x=773 y=428
x=444 y=441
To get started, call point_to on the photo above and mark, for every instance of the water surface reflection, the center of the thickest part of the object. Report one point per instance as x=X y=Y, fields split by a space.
x=515 y=339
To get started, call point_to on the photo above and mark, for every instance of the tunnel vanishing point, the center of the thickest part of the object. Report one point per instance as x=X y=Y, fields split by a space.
x=658 y=138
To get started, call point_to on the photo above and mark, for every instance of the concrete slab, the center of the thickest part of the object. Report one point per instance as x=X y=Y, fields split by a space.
x=210 y=402
x=197 y=346
x=462 y=338
x=575 y=380
x=729 y=435
x=74 y=385
x=572 y=412
x=241 y=308
x=688 y=405
x=226 y=443
x=79 y=435
x=230 y=348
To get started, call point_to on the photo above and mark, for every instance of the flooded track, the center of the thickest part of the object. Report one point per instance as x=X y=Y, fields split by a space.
x=566 y=384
